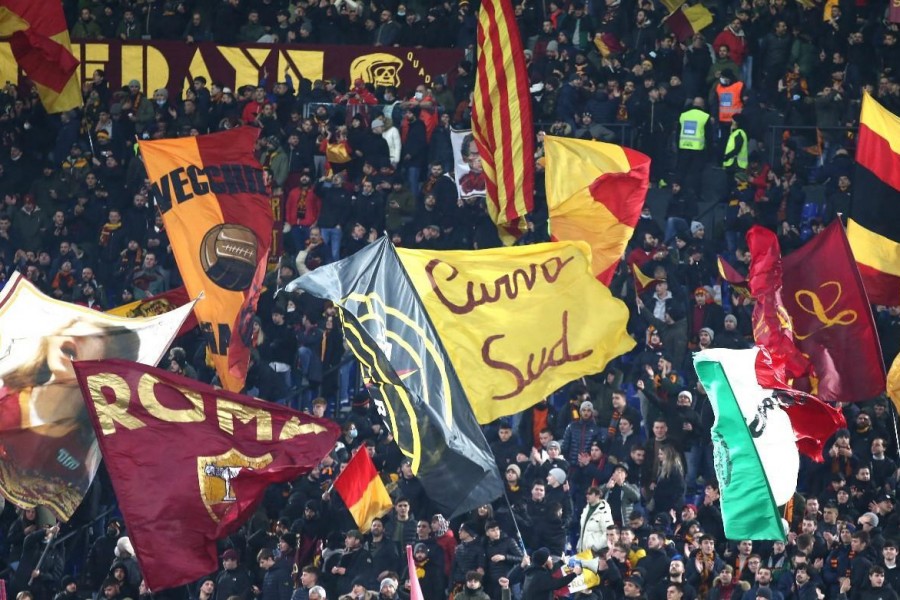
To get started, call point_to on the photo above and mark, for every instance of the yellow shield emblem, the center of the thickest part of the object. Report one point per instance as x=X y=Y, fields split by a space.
x=215 y=474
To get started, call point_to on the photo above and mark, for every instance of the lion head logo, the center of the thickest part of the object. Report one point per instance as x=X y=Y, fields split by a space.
x=379 y=69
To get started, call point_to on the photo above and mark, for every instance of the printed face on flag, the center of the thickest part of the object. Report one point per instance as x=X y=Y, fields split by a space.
x=467 y=165
x=50 y=451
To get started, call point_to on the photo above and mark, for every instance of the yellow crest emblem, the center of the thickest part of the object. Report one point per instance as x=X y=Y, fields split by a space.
x=215 y=474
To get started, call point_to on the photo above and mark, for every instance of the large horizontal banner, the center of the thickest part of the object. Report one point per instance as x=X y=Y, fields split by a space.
x=173 y=65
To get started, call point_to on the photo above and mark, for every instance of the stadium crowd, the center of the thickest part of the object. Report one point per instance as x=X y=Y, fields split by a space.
x=749 y=121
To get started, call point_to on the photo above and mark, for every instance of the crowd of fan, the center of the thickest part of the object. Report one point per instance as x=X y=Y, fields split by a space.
x=619 y=464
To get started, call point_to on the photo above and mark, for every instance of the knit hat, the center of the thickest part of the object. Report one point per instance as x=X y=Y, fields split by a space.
x=124 y=545
x=686 y=392
x=289 y=538
x=554 y=444
x=388 y=581
x=696 y=226
x=552 y=46
x=420 y=547
x=468 y=528
x=230 y=554
x=710 y=332
x=586 y=404
x=558 y=474
x=67 y=580
x=540 y=556
x=635 y=580
x=731 y=318
x=872 y=517
x=516 y=469
x=377 y=123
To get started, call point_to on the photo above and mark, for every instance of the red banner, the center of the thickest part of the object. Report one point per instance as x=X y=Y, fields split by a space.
x=894 y=14
x=189 y=463
x=173 y=65
x=833 y=323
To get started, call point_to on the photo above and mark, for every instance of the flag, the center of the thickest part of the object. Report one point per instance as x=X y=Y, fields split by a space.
x=212 y=194
x=158 y=305
x=772 y=327
x=415 y=588
x=813 y=420
x=501 y=118
x=478 y=301
x=672 y=5
x=688 y=21
x=832 y=318
x=39 y=40
x=893 y=382
x=595 y=192
x=190 y=463
x=410 y=375
x=729 y=274
x=754 y=452
x=874 y=224
x=362 y=490
x=48 y=451
x=642 y=281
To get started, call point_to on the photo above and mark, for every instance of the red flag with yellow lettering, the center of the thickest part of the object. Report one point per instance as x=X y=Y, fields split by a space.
x=39 y=40
x=212 y=195
x=190 y=463
x=501 y=118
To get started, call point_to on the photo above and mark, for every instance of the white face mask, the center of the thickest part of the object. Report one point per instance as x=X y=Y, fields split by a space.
x=723 y=81
x=419 y=95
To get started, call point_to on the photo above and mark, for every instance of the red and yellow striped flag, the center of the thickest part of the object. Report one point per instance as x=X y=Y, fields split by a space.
x=212 y=195
x=362 y=490
x=501 y=118
x=595 y=193
x=39 y=39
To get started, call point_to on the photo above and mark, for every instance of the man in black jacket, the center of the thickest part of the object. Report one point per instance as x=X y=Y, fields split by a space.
x=539 y=581
x=501 y=553
x=232 y=580
x=277 y=583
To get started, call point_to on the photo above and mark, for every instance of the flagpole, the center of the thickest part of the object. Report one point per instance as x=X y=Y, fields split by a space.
x=53 y=531
x=512 y=515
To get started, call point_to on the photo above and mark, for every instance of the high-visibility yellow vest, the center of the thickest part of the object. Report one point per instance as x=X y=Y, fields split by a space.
x=692 y=133
x=742 y=155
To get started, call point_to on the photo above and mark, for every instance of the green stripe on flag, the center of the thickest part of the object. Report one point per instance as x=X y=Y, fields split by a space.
x=749 y=510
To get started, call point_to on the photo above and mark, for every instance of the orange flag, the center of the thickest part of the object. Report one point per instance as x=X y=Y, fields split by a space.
x=595 y=192
x=362 y=490
x=39 y=39
x=212 y=195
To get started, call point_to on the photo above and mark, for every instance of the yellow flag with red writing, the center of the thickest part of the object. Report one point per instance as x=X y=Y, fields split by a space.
x=518 y=323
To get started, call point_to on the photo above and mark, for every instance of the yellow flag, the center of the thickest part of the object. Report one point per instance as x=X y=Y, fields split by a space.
x=893 y=382
x=519 y=323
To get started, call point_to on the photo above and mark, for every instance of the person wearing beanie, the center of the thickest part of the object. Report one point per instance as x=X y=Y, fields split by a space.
x=430 y=573
x=359 y=591
x=101 y=553
x=469 y=556
x=729 y=336
x=69 y=589
x=580 y=433
x=705 y=338
x=539 y=581
x=704 y=313
x=388 y=589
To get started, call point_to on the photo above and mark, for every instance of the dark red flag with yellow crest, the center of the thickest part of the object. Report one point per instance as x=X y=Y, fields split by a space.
x=189 y=463
x=212 y=195
x=833 y=324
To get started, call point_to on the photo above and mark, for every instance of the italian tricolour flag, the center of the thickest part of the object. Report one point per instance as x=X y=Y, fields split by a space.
x=754 y=447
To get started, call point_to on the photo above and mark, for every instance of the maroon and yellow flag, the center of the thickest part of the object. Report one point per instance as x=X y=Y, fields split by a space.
x=501 y=118
x=158 y=305
x=39 y=39
x=874 y=224
x=212 y=195
x=729 y=274
x=642 y=281
x=833 y=324
x=595 y=192
x=362 y=490
x=190 y=463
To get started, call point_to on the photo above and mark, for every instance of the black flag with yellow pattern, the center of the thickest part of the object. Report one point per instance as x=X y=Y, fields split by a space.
x=412 y=381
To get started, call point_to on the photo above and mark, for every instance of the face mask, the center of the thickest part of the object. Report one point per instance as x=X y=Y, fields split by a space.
x=723 y=81
x=419 y=95
x=352 y=433
x=161 y=102
x=401 y=13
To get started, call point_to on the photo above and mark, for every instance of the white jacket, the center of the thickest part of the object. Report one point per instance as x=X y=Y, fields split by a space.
x=593 y=530
x=395 y=145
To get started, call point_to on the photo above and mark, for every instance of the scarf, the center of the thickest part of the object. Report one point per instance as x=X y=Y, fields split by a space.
x=440 y=525
x=614 y=423
x=708 y=562
x=106 y=232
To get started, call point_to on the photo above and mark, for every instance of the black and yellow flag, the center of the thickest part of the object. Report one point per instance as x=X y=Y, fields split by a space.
x=410 y=376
